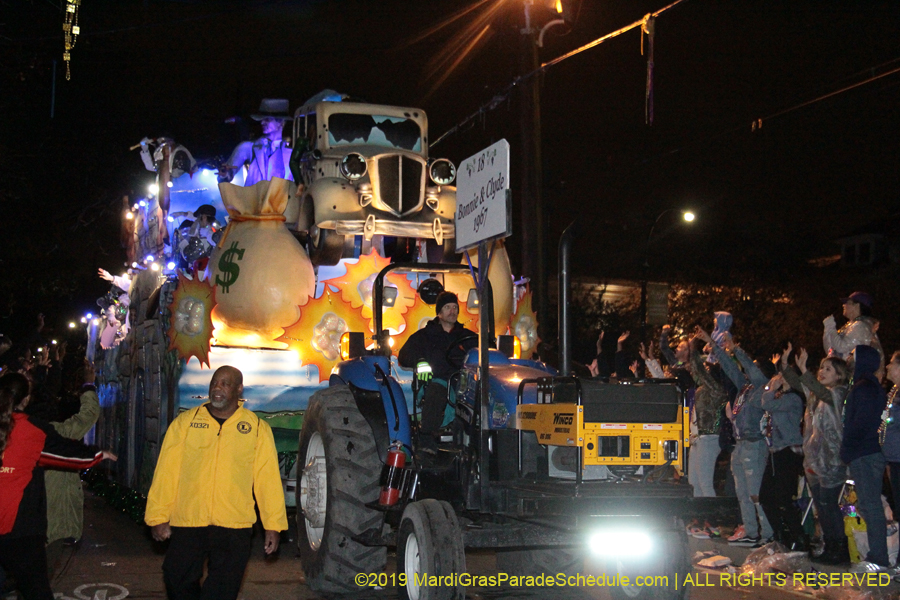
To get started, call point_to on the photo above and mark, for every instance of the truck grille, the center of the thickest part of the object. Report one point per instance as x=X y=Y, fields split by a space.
x=399 y=185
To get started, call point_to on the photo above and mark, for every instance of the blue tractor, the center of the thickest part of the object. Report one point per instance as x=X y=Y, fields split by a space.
x=540 y=467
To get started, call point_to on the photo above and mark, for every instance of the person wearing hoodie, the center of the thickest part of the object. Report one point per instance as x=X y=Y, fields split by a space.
x=784 y=413
x=861 y=328
x=823 y=468
x=748 y=459
x=861 y=450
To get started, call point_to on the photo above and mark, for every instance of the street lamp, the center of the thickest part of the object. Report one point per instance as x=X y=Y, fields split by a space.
x=532 y=214
x=688 y=217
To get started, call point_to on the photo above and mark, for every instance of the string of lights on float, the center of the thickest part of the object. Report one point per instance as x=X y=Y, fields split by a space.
x=152 y=261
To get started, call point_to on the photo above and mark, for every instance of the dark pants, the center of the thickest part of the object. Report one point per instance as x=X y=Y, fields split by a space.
x=24 y=559
x=894 y=470
x=433 y=406
x=776 y=494
x=228 y=551
x=827 y=500
x=867 y=473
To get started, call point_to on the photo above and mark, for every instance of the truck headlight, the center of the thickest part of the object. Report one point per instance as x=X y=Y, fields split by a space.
x=621 y=542
x=353 y=166
x=442 y=171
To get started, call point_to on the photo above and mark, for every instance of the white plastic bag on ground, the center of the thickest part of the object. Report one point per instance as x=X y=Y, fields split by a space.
x=893 y=540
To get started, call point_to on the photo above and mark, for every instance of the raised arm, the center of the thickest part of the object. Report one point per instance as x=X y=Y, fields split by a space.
x=753 y=373
x=699 y=372
x=664 y=348
x=808 y=378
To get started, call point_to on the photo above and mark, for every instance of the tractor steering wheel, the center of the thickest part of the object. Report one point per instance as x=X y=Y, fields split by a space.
x=458 y=350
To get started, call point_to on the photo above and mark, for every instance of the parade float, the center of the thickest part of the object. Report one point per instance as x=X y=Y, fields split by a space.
x=221 y=274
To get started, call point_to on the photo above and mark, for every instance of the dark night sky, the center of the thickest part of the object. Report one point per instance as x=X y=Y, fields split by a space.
x=153 y=67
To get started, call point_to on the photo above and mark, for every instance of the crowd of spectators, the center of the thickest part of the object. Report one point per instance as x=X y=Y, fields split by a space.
x=779 y=419
x=48 y=404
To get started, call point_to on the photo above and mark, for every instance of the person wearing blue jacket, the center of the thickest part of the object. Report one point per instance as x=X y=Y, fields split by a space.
x=748 y=460
x=861 y=450
x=784 y=413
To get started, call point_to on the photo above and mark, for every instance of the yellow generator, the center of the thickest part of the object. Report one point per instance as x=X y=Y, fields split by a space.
x=601 y=430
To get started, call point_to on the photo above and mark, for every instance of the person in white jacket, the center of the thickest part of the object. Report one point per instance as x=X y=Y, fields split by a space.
x=861 y=328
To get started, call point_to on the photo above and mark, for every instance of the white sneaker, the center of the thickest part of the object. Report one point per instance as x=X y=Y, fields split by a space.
x=868 y=567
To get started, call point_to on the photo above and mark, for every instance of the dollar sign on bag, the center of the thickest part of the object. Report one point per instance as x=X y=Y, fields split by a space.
x=228 y=267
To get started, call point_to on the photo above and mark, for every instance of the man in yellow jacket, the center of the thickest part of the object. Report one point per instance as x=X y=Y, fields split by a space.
x=214 y=460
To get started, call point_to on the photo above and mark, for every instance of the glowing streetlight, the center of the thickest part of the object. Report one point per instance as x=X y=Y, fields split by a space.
x=688 y=217
x=71 y=325
x=153 y=188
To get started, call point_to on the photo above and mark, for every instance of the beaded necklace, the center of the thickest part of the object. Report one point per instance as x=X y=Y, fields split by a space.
x=886 y=414
x=741 y=399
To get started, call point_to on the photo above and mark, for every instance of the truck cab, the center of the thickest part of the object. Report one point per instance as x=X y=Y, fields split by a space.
x=367 y=180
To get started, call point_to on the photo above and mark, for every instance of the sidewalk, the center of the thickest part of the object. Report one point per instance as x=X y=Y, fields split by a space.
x=739 y=554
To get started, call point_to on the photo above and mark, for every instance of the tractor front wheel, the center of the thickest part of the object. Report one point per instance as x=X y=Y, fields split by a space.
x=338 y=472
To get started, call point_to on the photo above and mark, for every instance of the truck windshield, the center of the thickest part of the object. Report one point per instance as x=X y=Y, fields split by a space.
x=379 y=130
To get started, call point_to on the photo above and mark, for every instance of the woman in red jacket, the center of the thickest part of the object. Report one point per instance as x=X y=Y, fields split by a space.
x=26 y=446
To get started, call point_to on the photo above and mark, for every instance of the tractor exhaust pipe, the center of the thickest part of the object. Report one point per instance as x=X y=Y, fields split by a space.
x=565 y=335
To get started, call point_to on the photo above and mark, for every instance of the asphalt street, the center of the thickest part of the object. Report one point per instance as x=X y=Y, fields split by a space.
x=117 y=559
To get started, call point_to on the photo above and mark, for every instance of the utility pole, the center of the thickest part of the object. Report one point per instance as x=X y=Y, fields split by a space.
x=533 y=256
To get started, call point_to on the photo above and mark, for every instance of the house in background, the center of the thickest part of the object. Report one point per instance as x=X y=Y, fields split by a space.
x=873 y=244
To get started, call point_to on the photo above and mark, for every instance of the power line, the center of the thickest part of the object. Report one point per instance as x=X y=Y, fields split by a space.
x=757 y=124
x=503 y=95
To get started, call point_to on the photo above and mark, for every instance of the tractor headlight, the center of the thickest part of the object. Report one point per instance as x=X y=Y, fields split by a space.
x=442 y=171
x=510 y=346
x=353 y=345
x=621 y=542
x=353 y=166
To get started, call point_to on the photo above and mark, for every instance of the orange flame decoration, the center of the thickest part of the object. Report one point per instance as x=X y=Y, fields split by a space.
x=317 y=333
x=355 y=287
x=190 y=324
x=523 y=325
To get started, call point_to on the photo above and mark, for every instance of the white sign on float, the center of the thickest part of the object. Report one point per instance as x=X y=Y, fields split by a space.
x=482 y=197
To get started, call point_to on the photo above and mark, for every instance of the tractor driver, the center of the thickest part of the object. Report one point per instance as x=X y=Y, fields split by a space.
x=432 y=344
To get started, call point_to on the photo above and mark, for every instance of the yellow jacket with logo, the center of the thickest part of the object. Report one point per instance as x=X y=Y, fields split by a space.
x=208 y=475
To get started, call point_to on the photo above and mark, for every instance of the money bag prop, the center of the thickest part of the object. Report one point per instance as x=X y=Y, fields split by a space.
x=260 y=271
